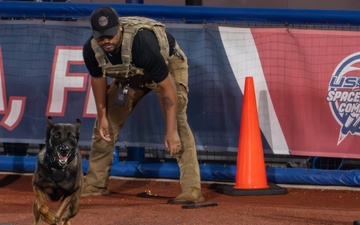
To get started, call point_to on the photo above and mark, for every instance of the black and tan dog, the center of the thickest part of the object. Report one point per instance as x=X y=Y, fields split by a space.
x=58 y=174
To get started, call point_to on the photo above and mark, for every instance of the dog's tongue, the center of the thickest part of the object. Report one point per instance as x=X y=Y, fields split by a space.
x=62 y=158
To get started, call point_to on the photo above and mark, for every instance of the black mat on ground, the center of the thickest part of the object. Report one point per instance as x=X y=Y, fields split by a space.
x=273 y=189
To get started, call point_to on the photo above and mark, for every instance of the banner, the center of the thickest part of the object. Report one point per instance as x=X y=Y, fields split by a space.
x=314 y=87
x=306 y=84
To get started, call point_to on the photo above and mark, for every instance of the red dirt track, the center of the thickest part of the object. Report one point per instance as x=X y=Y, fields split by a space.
x=297 y=207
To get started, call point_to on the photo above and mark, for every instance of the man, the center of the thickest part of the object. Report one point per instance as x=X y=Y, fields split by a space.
x=140 y=56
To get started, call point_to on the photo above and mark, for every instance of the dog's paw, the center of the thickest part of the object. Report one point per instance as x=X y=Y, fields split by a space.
x=55 y=221
x=49 y=218
x=66 y=223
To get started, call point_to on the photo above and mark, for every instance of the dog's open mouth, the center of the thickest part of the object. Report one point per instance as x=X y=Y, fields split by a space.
x=63 y=157
x=63 y=153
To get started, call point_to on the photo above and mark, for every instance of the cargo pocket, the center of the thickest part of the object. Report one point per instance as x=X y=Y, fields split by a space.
x=178 y=68
x=182 y=96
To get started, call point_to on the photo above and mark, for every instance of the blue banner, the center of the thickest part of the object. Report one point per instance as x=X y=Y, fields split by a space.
x=43 y=74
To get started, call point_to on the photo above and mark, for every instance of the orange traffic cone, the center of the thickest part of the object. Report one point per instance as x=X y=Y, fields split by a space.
x=250 y=169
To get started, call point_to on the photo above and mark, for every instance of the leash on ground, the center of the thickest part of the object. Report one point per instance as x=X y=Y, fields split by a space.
x=185 y=204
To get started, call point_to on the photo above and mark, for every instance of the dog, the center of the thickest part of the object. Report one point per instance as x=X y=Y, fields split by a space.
x=58 y=174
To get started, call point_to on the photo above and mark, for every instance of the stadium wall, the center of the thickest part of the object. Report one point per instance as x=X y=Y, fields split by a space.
x=304 y=63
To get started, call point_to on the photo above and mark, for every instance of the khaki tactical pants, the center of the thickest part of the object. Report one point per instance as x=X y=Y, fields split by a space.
x=101 y=154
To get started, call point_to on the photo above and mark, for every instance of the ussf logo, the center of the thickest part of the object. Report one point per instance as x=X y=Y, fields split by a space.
x=344 y=96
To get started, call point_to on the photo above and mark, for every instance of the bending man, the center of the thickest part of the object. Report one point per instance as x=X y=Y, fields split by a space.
x=140 y=56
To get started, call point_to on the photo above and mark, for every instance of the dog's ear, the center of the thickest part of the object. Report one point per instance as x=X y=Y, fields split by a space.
x=49 y=120
x=50 y=125
x=78 y=121
x=77 y=125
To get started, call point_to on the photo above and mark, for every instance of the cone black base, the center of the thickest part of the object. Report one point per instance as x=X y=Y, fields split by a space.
x=273 y=189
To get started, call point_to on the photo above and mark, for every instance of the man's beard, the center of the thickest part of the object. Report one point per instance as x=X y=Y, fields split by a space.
x=109 y=48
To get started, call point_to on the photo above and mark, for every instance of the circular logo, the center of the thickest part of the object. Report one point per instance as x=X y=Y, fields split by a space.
x=344 y=95
x=103 y=21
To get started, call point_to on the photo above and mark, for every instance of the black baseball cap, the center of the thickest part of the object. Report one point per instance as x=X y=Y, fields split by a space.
x=104 y=22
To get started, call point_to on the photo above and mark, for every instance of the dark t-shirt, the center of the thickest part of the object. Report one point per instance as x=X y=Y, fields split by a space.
x=145 y=54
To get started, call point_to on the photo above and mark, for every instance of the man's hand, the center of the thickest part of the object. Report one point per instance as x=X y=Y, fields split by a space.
x=103 y=128
x=168 y=101
x=99 y=86
x=172 y=143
